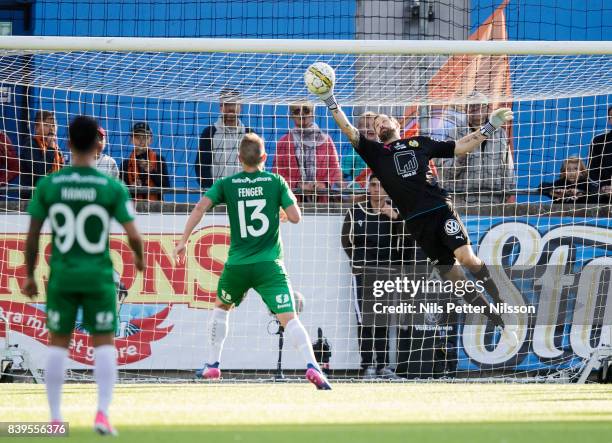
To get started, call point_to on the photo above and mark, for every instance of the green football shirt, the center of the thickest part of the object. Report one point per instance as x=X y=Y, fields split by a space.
x=253 y=200
x=80 y=203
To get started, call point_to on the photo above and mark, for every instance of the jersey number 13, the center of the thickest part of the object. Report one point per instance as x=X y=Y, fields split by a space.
x=257 y=214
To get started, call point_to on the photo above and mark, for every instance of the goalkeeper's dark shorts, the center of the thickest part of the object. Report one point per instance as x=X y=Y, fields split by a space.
x=438 y=233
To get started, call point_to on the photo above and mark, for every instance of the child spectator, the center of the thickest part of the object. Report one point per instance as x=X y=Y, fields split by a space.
x=145 y=169
x=573 y=185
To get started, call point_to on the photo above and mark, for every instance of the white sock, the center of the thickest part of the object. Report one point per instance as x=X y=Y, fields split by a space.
x=300 y=340
x=54 y=379
x=105 y=373
x=218 y=334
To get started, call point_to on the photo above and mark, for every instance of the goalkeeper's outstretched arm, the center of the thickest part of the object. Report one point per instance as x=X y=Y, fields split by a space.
x=498 y=118
x=351 y=132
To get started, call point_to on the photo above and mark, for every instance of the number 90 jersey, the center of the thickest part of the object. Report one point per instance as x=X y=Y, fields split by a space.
x=253 y=200
x=80 y=203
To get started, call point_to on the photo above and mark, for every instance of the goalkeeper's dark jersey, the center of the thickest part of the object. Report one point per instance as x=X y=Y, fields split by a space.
x=403 y=170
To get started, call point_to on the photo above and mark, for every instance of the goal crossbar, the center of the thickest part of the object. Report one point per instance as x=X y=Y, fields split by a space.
x=303 y=46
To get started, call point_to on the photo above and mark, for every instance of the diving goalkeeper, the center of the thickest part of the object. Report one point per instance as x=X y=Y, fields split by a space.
x=402 y=166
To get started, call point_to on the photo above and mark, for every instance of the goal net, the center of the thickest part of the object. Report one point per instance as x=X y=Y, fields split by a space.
x=529 y=199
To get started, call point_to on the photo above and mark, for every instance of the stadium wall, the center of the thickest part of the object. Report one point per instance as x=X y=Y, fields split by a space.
x=550 y=263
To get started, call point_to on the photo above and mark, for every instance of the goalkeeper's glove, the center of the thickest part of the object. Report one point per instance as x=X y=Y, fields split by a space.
x=497 y=118
x=329 y=100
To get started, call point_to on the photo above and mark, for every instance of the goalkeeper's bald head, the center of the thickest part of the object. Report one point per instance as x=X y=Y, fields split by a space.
x=252 y=150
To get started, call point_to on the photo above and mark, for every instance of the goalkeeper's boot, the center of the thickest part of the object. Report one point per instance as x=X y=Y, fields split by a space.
x=102 y=426
x=317 y=378
x=209 y=372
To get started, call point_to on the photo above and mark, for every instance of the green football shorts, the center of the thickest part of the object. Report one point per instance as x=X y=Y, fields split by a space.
x=99 y=308
x=268 y=278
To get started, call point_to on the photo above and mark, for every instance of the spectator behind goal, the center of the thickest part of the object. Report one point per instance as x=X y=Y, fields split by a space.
x=40 y=154
x=105 y=163
x=218 y=147
x=573 y=185
x=144 y=168
x=373 y=240
x=9 y=164
x=486 y=175
x=600 y=159
x=306 y=157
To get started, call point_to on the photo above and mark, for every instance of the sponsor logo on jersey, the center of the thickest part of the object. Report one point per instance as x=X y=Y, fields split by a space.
x=251 y=180
x=406 y=163
x=226 y=296
x=283 y=301
x=399 y=146
x=452 y=227
x=104 y=320
x=78 y=178
x=53 y=317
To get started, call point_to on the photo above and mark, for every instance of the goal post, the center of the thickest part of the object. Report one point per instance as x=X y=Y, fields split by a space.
x=195 y=98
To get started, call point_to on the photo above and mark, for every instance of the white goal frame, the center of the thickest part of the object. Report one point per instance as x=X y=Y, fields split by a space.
x=305 y=46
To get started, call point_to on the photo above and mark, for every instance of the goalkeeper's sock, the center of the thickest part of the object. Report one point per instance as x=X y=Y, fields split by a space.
x=105 y=374
x=54 y=379
x=488 y=283
x=474 y=298
x=218 y=333
x=300 y=340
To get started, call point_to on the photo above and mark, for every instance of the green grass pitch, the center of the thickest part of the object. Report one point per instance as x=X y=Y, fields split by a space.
x=293 y=413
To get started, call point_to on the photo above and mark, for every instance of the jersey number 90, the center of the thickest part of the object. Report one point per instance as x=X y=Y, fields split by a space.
x=73 y=228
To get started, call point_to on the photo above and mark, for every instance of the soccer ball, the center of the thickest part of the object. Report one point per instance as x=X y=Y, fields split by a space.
x=319 y=78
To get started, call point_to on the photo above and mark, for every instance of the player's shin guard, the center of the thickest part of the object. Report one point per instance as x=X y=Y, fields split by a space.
x=218 y=334
x=300 y=340
x=105 y=374
x=54 y=379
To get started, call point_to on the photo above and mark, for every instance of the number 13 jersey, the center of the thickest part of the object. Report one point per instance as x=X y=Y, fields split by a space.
x=253 y=200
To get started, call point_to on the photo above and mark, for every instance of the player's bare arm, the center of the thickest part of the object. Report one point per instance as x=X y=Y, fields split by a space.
x=345 y=126
x=293 y=213
x=194 y=219
x=471 y=141
x=30 y=288
x=135 y=242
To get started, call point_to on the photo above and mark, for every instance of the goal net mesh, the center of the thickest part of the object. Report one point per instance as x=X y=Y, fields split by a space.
x=548 y=258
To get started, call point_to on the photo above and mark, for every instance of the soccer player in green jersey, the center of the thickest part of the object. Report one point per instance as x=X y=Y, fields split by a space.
x=254 y=199
x=80 y=202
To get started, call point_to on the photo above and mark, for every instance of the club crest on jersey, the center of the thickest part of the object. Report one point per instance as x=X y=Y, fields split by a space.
x=413 y=144
x=452 y=227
